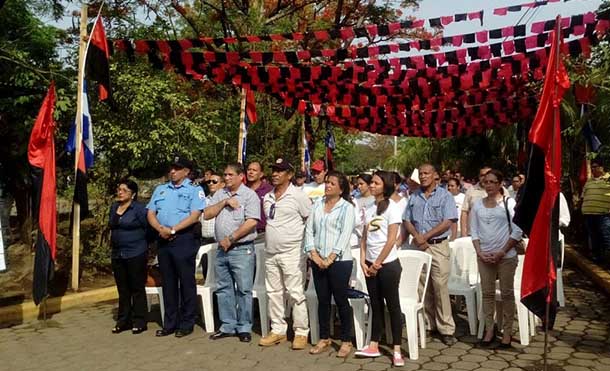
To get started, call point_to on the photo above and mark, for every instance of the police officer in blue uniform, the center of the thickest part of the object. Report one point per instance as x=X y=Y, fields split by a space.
x=172 y=211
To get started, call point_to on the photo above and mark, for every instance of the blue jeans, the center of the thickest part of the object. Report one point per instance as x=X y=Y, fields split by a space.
x=234 y=280
x=599 y=235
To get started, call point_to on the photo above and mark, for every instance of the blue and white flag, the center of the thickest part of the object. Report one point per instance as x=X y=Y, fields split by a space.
x=87 y=131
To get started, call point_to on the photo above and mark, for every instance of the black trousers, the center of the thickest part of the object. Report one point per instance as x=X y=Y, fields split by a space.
x=177 y=265
x=384 y=286
x=333 y=281
x=130 y=278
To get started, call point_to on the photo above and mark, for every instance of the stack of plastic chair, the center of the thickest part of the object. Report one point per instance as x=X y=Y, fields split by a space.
x=259 y=290
x=206 y=291
x=464 y=278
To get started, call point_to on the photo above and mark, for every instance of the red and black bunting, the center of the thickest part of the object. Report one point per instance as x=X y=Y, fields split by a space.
x=577 y=25
x=438 y=124
x=518 y=8
x=349 y=33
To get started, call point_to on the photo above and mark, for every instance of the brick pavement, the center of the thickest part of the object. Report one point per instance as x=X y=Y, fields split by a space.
x=80 y=339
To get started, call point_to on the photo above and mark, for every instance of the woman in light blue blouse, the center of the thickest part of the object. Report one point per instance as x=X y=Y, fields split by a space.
x=327 y=243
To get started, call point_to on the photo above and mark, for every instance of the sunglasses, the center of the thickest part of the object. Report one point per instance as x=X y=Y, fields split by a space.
x=212 y=181
x=272 y=211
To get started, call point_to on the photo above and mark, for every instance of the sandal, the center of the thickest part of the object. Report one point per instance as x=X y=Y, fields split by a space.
x=119 y=328
x=320 y=347
x=345 y=350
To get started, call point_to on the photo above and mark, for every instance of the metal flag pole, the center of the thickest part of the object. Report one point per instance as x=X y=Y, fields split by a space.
x=243 y=130
x=549 y=287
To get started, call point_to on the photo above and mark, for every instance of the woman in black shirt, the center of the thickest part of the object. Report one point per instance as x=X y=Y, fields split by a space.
x=128 y=227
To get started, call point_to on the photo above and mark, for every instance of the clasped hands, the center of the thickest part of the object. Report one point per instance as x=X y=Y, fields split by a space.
x=166 y=233
x=421 y=242
x=322 y=263
x=491 y=257
x=370 y=271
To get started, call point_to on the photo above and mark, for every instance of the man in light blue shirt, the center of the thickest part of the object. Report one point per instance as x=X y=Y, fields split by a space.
x=173 y=211
x=428 y=217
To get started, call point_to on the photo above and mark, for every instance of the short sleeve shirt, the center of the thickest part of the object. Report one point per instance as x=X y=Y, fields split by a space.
x=286 y=218
x=229 y=219
x=377 y=231
x=426 y=213
x=173 y=203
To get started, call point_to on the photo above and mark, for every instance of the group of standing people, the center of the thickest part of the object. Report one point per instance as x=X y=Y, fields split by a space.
x=318 y=222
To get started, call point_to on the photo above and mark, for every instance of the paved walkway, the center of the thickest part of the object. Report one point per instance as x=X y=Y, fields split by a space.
x=80 y=339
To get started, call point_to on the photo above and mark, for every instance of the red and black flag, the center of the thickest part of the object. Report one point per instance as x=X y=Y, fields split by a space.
x=98 y=55
x=535 y=211
x=41 y=155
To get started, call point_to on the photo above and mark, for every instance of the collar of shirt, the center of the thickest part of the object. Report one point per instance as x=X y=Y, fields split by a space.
x=289 y=191
x=184 y=183
x=239 y=191
x=338 y=205
x=421 y=193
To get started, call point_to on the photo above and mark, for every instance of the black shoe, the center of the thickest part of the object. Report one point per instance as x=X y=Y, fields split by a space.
x=138 y=330
x=486 y=344
x=163 y=332
x=245 y=337
x=448 y=340
x=505 y=346
x=220 y=335
x=182 y=333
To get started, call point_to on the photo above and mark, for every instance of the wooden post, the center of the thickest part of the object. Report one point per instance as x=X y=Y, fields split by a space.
x=78 y=138
x=243 y=131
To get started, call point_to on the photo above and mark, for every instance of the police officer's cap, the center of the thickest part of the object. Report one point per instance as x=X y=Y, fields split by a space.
x=282 y=165
x=182 y=162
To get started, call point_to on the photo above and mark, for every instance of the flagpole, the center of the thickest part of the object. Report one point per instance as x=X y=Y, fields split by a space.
x=78 y=138
x=549 y=288
x=302 y=146
x=242 y=127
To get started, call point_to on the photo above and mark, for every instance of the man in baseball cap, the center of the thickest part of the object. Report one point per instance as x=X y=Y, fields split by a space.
x=315 y=189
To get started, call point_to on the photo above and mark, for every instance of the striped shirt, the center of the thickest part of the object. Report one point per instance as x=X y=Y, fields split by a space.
x=596 y=196
x=330 y=232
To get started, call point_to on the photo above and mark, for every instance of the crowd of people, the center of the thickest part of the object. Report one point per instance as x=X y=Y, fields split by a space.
x=320 y=226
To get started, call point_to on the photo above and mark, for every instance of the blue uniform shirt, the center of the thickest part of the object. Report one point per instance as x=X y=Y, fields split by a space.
x=426 y=213
x=174 y=203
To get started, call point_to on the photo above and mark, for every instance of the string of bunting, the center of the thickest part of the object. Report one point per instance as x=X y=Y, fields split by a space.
x=348 y=33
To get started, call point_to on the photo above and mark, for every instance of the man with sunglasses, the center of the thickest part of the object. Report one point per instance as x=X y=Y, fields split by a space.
x=237 y=209
x=286 y=208
x=315 y=189
x=214 y=183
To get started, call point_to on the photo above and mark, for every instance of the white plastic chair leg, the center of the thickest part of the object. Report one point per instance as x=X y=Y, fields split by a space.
x=314 y=322
x=560 y=295
x=471 y=309
x=359 y=321
x=264 y=316
x=422 y=329
x=411 y=322
x=161 y=305
x=207 y=311
x=523 y=319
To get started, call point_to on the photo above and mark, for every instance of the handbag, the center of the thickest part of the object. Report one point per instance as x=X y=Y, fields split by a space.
x=520 y=245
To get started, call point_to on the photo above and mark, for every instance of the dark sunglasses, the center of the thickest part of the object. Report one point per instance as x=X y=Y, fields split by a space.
x=212 y=181
x=272 y=211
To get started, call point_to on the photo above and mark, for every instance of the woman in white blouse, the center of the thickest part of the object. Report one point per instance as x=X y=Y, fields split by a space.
x=380 y=264
x=327 y=243
x=453 y=186
x=494 y=236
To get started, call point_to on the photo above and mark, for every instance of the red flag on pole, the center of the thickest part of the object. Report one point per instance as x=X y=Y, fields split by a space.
x=535 y=208
x=41 y=155
x=98 y=55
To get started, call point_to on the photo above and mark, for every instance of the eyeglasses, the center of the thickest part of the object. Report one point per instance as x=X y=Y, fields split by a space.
x=272 y=211
x=212 y=181
x=491 y=182
x=124 y=190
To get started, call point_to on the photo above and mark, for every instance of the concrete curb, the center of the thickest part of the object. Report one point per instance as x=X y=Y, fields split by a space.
x=19 y=313
x=598 y=275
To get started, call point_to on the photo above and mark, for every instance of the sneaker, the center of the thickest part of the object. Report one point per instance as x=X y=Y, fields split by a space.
x=271 y=339
x=299 y=342
x=397 y=360
x=368 y=352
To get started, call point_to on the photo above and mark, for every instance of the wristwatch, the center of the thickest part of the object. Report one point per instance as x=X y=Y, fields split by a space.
x=231 y=238
x=172 y=232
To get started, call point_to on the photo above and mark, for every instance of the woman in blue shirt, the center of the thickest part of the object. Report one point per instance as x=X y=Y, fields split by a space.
x=128 y=227
x=327 y=243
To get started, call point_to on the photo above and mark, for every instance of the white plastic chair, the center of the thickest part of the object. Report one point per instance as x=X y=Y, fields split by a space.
x=464 y=278
x=312 y=309
x=206 y=291
x=411 y=299
x=259 y=290
x=158 y=291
